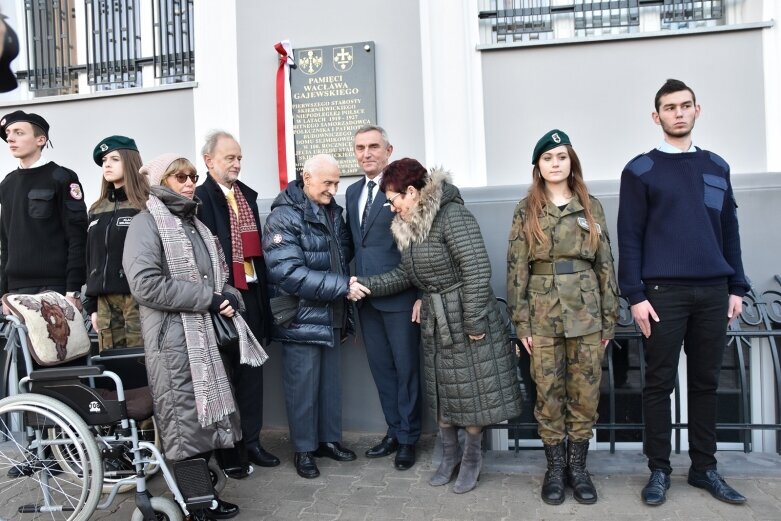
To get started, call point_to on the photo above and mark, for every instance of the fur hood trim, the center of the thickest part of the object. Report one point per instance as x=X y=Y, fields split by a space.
x=416 y=229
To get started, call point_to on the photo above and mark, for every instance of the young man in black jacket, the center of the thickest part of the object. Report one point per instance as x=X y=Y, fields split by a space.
x=42 y=203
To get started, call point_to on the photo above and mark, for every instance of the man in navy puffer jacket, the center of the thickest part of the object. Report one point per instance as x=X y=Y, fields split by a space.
x=307 y=249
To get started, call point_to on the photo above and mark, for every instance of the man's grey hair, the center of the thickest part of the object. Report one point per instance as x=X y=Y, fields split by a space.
x=211 y=140
x=314 y=163
x=370 y=128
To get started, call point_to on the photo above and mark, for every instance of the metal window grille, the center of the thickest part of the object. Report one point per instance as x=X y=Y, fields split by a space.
x=522 y=20
x=174 y=57
x=48 y=24
x=687 y=12
x=113 y=43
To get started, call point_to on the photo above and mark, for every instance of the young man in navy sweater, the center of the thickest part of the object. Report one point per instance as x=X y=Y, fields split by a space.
x=681 y=269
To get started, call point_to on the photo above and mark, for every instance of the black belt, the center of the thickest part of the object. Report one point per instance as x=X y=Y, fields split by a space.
x=562 y=267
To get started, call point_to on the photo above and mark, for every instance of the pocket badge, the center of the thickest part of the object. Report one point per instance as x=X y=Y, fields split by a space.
x=583 y=223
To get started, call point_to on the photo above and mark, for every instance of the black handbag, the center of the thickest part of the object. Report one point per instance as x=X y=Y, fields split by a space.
x=225 y=332
x=284 y=309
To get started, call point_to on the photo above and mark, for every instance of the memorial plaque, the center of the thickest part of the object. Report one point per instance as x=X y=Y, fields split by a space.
x=333 y=95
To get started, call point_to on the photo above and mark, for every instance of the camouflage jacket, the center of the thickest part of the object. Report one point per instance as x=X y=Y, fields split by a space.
x=567 y=305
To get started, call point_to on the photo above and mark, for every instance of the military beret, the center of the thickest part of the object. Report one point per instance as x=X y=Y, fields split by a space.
x=19 y=115
x=112 y=143
x=552 y=139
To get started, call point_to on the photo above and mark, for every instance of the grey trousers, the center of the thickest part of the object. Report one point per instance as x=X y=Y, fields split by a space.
x=313 y=393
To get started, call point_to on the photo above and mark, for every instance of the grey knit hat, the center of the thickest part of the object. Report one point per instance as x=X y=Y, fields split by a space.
x=155 y=168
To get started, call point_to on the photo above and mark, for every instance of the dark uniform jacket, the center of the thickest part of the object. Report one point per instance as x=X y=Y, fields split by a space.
x=43 y=229
x=106 y=232
x=307 y=257
x=468 y=382
x=566 y=305
x=213 y=212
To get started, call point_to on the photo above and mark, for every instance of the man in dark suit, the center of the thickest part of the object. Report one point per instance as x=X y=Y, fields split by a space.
x=230 y=210
x=388 y=324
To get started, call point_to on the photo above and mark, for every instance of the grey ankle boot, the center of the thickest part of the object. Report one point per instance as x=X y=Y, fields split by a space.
x=451 y=457
x=471 y=463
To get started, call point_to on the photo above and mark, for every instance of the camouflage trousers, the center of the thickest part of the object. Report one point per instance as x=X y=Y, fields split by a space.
x=567 y=372
x=119 y=324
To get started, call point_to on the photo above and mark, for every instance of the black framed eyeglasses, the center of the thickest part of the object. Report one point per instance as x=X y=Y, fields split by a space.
x=390 y=201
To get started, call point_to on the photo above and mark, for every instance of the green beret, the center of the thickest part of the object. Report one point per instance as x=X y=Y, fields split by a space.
x=112 y=143
x=551 y=140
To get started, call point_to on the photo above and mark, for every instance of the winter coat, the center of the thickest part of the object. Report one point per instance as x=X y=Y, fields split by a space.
x=161 y=300
x=468 y=382
x=562 y=305
x=307 y=258
x=108 y=225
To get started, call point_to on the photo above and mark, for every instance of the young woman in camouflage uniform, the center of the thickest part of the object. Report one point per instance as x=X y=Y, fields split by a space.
x=123 y=194
x=562 y=296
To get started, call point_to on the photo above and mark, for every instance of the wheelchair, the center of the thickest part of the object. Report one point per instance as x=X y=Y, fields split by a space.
x=62 y=434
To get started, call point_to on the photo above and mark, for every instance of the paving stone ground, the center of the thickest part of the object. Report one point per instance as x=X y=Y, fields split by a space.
x=508 y=489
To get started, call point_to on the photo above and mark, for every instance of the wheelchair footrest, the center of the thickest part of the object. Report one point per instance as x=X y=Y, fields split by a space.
x=195 y=482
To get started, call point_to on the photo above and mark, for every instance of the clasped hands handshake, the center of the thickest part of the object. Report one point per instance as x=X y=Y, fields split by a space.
x=357 y=290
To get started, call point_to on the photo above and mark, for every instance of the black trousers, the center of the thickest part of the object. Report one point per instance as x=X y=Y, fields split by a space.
x=247 y=384
x=696 y=316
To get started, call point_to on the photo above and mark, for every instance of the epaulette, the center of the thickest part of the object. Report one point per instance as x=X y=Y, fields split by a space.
x=639 y=164
x=64 y=175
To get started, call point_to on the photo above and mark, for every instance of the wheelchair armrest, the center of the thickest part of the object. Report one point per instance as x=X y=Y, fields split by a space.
x=62 y=373
x=119 y=352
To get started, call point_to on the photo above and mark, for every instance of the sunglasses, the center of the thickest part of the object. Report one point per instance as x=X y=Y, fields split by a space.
x=181 y=178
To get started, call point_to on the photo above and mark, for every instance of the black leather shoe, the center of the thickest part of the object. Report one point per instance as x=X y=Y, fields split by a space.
x=238 y=472
x=405 y=457
x=655 y=492
x=712 y=481
x=261 y=457
x=306 y=466
x=223 y=510
x=386 y=447
x=335 y=451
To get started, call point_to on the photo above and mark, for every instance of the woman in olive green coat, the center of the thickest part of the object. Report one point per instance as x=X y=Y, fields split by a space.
x=469 y=365
x=561 y=291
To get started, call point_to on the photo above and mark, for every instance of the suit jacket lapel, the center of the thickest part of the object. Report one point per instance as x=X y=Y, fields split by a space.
x=354 y=210
x=377 y=207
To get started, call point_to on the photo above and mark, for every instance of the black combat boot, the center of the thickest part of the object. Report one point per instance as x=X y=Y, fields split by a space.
x=553 y=485
x=577 y=475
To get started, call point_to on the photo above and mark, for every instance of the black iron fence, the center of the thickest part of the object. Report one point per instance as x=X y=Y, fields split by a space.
x=623 y=377
x=113 y=43
x=519 y=20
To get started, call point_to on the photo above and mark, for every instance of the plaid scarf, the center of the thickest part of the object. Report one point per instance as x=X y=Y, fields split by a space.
x=213 y=397
x=245 y=239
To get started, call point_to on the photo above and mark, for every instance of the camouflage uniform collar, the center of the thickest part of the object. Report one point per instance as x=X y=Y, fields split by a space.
x=574 y=206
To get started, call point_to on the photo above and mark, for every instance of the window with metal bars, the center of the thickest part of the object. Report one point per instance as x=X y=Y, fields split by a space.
x=529 y=20
x=50 y=55
x=112 y=43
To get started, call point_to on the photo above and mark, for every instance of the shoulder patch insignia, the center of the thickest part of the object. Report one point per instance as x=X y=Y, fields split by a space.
x=583 y=223
x=277 y=238
x=75 y=191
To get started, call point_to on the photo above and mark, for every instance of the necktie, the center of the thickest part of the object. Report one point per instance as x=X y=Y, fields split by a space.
x=231 y=197
x=367 y=207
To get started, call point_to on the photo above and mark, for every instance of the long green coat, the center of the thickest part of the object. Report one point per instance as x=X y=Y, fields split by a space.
x=443 y=254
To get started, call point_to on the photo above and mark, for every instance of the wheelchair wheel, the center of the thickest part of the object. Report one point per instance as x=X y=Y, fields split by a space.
x=219 y=480
x=114 y=468
x=31 y=482
x=165 y=509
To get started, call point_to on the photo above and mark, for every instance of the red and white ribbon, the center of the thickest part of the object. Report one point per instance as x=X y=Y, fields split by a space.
x=285 y=144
